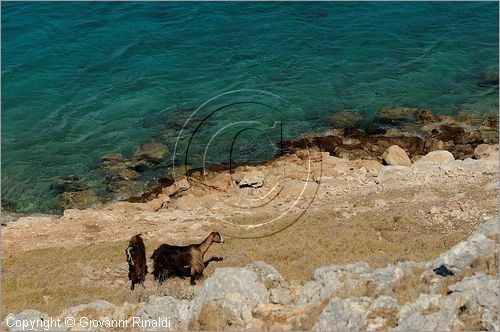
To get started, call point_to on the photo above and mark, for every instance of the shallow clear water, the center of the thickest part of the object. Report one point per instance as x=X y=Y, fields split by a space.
x=83 y=79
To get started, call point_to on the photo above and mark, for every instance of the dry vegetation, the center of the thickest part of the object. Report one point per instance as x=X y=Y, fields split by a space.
x=50 y=279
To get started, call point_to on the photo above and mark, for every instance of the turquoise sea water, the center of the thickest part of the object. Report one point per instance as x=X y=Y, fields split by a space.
x=83 y=79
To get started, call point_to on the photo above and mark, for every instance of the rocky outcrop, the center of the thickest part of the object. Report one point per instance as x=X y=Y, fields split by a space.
x=404 y=296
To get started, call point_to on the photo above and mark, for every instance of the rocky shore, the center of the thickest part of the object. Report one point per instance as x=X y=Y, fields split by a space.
x=359 y=222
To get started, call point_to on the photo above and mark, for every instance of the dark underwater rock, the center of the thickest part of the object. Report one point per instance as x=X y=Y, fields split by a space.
x=68 y=183
x=489 y=78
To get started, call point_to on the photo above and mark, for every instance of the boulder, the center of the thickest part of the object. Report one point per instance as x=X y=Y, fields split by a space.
x=463 y=254
x=486 y=151
x=395 y=155
x=254 y=179
x=166 y=306
x=440 y=156
x=426 y=314
x=227 y=299
x=266 y=274
x=344 y=315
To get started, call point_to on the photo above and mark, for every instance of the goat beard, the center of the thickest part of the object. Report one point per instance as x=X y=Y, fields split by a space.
x=130 y=260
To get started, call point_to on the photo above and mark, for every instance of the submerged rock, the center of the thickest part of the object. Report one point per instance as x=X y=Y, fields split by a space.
x=489 y=78
x=68 y=183
x=80 y=200
x=153 y=152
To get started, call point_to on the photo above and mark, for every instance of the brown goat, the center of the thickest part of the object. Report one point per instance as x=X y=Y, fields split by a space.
x=170 y=261
x=136 y=258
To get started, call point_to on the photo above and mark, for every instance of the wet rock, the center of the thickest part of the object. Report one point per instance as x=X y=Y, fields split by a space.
x=79 y=200
x=436 y=157
x=432 y=144
x=343 y=315
x=395 y=114
x=124 y=189
x=395 y=155
x=448 y=132
x=153 y=152
x=462 y=151
x=490 y=122
x=473 y=136
x=424 y=116
x=485 y=151
x=353 y=154
x=254 y=179
x=374 y=130
x=490 y=136
x=127 y=174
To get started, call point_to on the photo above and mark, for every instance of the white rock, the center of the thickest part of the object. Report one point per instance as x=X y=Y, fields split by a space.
x=166 y=306
x=343 y=315
x=254 y=179
x=395 y=155
x=486 y=151
x=235 y=291
x=439 y=156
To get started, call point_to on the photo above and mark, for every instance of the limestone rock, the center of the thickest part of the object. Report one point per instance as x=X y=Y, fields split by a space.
x=167 y=306
x=343 y=315
x=485 y=151
x=395 y=155
x=254 y=179
x=226 y=299
x=266 y=274
x=463 y=254
x=98 y=305
x=441 y=156
x=28 y=316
